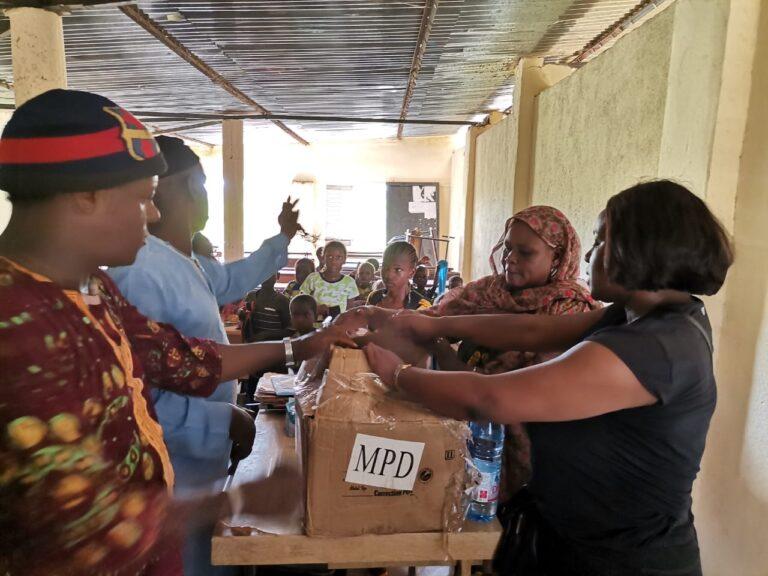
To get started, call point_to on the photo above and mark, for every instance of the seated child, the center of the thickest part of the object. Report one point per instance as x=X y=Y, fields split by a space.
x=420 y=279
x=397 y=270
x=375 y=263
x=364 y=280
x=455 y=282
x=303 y=268
x=303 y=314
x=332 y=289
x=267 y=316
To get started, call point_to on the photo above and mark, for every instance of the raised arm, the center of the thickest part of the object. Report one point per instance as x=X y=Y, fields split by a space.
x=232 y=281
x=528 y=332
x=586 y=381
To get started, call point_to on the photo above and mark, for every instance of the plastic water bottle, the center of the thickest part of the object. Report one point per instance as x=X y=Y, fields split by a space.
x=486 y=448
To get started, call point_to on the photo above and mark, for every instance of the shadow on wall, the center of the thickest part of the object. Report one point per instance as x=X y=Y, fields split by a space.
x=732 y=493
x=731 y=512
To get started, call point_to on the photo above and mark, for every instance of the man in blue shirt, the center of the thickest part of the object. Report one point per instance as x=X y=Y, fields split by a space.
x=170 y=283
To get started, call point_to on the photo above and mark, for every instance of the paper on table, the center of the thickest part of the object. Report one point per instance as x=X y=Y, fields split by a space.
x=284 y=384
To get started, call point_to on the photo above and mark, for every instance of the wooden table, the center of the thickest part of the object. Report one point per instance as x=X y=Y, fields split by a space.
x=283 y=541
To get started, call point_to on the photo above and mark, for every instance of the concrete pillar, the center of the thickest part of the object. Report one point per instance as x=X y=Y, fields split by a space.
x=37 y=48
x=232 y=154
x=469 y=197
x=531 y=78
x=469 y=188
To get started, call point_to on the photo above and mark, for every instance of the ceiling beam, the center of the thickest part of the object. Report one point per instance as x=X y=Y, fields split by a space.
x=142 y=19
x=158 y=116
x=184 y=128
x=427 y=18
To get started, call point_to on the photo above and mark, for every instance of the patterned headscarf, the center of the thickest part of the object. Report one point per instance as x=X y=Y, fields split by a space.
x=562 y=294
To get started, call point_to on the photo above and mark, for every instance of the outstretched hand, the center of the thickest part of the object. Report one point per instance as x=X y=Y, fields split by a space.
x=320 y=341
x=416 y=327
x=289 y=218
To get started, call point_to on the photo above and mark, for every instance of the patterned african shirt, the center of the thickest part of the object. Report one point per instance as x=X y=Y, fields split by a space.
x=84 y=472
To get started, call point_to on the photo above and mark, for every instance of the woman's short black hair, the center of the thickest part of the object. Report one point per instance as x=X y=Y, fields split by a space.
x=661 y=236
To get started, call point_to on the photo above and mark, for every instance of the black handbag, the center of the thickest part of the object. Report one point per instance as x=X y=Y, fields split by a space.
x=517 y=551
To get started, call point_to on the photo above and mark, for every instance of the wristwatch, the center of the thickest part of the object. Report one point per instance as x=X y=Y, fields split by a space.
x=289 y=361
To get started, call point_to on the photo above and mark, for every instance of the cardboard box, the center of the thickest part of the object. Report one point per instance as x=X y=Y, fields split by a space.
x=374 y=464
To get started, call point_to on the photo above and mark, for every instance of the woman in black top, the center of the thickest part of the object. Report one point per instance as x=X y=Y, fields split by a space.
x=619 y=421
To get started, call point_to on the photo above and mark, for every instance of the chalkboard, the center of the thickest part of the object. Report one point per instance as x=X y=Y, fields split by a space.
x=413 y=205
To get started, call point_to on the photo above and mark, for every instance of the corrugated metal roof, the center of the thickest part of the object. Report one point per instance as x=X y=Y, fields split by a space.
x=340 y=58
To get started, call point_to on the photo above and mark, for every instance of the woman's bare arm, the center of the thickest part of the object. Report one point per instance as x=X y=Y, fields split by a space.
x=238 y=360
x=586 y=381
x=528 y=332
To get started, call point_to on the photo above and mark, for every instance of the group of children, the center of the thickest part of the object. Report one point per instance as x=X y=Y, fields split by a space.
x=318 y=292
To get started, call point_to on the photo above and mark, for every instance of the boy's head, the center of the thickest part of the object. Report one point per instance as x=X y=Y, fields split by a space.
x=181 y=195
x=365 y=274
x=334 y=256
x=269 y=283
x=420 y=278
x=375 y=263
x=399 y=265
x=455 y=282
x=78 y=162
x=303 y=313
x=320 y=257
x=303 y=268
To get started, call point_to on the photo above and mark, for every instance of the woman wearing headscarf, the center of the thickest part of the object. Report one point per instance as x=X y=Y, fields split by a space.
x=540 y=257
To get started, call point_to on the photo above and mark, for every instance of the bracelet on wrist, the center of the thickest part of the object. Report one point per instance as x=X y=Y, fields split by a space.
x=290 y=362
x=398 y=371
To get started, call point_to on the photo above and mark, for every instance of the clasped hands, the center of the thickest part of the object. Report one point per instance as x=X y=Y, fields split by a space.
x=388 y=330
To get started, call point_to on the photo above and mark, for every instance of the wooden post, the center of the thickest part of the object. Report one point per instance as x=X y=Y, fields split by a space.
x=232 y=153
x=37 y=49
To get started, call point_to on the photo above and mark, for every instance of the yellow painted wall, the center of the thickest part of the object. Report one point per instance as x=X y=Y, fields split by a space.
x=406 y=160
x=732 y=493
x=692 y=91
x=600 y=129
x=494 y=186
x=683 y=96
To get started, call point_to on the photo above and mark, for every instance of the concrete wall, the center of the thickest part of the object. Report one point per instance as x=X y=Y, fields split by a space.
x=600 y=130
x=684 y=96
x=732 y=493
x=407 y=160
x=494 y=186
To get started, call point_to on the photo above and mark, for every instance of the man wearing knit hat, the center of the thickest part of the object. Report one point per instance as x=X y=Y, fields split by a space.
x=169 y=283
x=85 y=475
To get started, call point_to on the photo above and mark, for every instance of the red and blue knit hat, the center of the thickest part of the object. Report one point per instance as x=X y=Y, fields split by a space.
x=71 y=141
